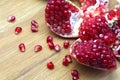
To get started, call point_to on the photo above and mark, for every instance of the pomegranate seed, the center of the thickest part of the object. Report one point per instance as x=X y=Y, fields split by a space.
x=34 y=28
x=50 y=65
x=18 y=30
x=65 y=62
x=11 y=18
x=22 y=47
x=74 y=73
x=51 y=45
x=37 y=48
x=75 y=78
x=57 y=48
x=66 y=44
x=68 y=57
x=111 y=14
x=34 y=22
x=49 y=39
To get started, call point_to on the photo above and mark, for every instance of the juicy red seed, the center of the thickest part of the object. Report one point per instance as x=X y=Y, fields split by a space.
x=37 y=48
x=111 y=14
x=51 y=45
x=66 y=44
x=50 y=65
x=22 y=47
x=49 y=39
x=34 y=22
x=11 y=18
x=57 y=47
x=65 y=62
x=74 y=73
x=68 y=57
x=34 y=28
x=75 y=78
x=18 y=30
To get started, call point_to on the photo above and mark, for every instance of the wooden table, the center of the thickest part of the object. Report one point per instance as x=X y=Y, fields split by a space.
x=29 y=65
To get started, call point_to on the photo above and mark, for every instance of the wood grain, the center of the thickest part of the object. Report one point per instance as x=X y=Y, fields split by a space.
x=30 y=65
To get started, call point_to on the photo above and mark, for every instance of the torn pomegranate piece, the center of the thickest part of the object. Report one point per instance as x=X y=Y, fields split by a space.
x=97 y=28
x=62 y=17
x=93 y=53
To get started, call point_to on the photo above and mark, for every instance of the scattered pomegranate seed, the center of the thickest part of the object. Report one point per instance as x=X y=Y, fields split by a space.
x=49 y=39
x=66 y=44
x=75 y=78
x=11 y=18
x=22 y=47
x=34 y=22
x=37 y=48
x=68 y=57
x=57 y=47
x=50 y=65
x=51 y=45
x=34 y=28
x=74 y=73
x=18 y=30
x=65 y=62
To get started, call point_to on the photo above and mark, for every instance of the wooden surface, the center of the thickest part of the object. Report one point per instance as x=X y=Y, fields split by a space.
x=29 y=65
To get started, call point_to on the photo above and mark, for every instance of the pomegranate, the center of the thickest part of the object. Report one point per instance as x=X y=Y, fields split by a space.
x=61 y=17
x=93 y=53
x=66 y=44
x=64 y=18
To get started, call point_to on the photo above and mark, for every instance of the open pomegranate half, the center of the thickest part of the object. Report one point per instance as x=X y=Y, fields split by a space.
x=62 y=18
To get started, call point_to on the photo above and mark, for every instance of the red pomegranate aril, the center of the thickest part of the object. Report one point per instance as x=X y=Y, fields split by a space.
x=68 y=57
x=51 y=45
x=57 y=47
x=18 y=30
x=50 y=65
x=34 y=28
x=74 y=73
x=37 y=48
x=111 y=14
x=66 y=44
x=34 y=22
x=75 y=78
x=65 y=62
x=22 y=47
x=49 y=39
x=11 y=18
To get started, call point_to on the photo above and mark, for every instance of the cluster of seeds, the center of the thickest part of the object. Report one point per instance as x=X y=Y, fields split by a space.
x=57 y=15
